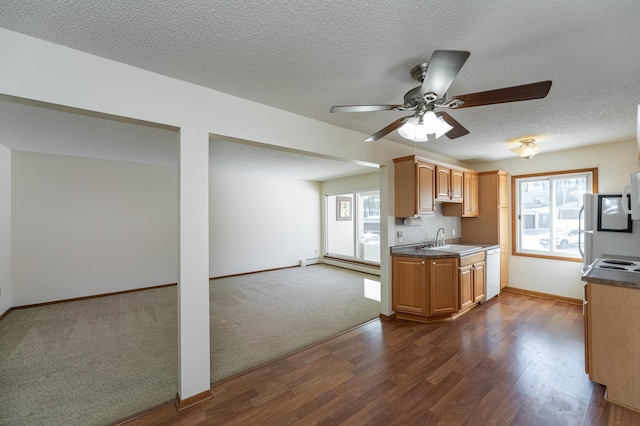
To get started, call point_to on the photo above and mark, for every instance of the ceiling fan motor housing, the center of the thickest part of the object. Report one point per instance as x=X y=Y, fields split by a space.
x=420 y=71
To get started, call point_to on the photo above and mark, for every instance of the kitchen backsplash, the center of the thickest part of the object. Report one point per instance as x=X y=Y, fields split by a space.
x=428 y=228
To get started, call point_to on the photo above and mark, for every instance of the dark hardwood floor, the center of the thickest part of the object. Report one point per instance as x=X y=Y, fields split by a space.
x=517 y=360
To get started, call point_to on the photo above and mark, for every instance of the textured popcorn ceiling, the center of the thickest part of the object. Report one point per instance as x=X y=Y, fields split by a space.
x=305 y=57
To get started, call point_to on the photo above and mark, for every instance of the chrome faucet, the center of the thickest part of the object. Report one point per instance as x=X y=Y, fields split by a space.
x=440 y=243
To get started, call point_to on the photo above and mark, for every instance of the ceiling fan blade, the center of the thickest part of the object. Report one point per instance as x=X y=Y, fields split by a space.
x=442 y=70
x=366 y=108
x=458 y=129
x=508 y=94
x=390 y=128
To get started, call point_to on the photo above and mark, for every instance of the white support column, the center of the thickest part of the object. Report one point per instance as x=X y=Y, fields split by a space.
x=193 y=280
x=387 y=230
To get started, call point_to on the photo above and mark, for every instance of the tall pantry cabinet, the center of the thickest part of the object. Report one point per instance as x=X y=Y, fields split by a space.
x=492 y=224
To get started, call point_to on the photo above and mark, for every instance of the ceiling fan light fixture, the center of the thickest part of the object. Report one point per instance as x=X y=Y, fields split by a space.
x=436 y=125
x=408 y=129
x=419 y=131
x=527 y=148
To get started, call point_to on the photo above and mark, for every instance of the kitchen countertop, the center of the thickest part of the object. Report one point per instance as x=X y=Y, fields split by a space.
x=414 y=250
x=611 y=276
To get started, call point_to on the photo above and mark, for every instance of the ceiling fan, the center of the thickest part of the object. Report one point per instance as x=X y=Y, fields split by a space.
x=436 y=76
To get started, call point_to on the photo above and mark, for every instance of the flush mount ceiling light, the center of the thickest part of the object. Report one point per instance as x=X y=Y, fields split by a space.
x=420 y=126
x=527 y=148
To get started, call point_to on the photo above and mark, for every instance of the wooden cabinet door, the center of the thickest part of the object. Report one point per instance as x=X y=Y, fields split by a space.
x=587 y=330
x=479 y=283
x=465 y=281
x=503 y=190
x=443 y=188
x=443 y=286
x=614 y=342
x=425 y=183
x=470 y=195
x=503 y=226
x=409 y=285
x=504 y=265
x=456 y=186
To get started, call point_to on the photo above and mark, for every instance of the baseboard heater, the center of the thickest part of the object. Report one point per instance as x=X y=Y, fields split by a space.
x=311 y=261
x=355 y=266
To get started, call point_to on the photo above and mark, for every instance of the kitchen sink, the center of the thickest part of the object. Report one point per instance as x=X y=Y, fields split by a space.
x=453 y=248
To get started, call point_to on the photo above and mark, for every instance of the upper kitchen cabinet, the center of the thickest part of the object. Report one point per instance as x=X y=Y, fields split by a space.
x=469 y=206
x=414 y=184
x=503 y=194
x=419 y=183
x=449 y=184
x=491 y=226
x=470 y=202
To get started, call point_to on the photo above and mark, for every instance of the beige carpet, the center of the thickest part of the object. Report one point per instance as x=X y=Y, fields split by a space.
x=262 y=316
x=93 y=362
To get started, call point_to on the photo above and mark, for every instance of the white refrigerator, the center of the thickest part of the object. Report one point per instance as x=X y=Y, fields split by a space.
x=605 y=228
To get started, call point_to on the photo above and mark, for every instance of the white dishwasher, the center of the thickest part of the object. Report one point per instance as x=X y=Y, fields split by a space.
x=493 y=274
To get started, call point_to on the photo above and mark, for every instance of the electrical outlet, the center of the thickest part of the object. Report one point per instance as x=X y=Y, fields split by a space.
x=399 y=233
x=453 y=232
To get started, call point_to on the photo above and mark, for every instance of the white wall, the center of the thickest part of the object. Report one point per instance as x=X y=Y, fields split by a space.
x=261 y=222
x=615 y=161
x=350 y=183
x=428 y=229
x=86 y=226
x=5 y=229
x=83 y=226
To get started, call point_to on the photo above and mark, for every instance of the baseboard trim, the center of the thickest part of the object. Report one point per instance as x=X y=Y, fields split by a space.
x=4 y=314
x=619 y=404
x=388 y=317
x=182 y=404
x=75 y=299
x=543 y=295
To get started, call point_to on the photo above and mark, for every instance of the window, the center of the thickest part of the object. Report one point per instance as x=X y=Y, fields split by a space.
x=546 y=212
x=353 y=226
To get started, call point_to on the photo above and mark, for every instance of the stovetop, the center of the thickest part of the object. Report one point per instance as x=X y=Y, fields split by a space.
x=618 y=265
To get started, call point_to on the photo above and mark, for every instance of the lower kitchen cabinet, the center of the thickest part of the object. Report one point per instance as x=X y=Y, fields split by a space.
x=471 y=279
x=443 y=291
x=411 y=296
x=431 y=289
x=465 y=279
x=612 y=341
x=479 y=283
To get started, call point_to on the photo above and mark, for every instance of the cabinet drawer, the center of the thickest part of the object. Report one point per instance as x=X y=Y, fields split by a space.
x=471 y=259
